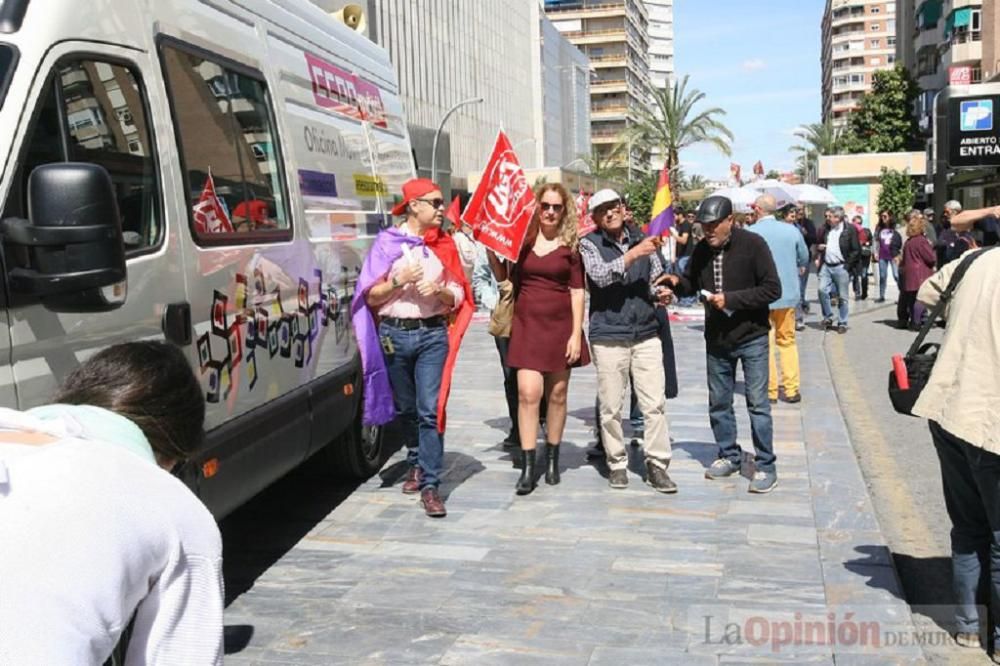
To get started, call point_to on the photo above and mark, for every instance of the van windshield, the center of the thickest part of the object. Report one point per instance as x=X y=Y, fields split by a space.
x=8 y=58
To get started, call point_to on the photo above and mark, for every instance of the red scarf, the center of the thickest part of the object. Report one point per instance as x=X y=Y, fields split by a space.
x=443 y=246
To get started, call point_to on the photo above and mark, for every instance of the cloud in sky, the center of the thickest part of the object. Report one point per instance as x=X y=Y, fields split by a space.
x=753 y=65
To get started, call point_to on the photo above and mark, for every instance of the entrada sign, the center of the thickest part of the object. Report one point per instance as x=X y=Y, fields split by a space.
x=973 y=132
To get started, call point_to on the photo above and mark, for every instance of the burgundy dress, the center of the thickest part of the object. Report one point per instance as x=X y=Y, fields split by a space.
x=543 y=311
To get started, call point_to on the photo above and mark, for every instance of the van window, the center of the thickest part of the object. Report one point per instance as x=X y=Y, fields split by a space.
x=228 y=150
x=104 y=109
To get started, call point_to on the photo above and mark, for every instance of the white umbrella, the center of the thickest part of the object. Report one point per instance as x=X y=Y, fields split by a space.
x=741 y=197
x=783 y=193
x=814 y=194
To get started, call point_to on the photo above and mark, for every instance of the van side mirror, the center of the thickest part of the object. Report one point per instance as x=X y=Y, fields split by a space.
x=69 y=252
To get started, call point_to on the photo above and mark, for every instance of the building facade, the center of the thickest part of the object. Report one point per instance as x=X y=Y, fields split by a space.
x=858 y=39
x=943 y=43
x=614 y=35
x=661 y=54
x=563 y=77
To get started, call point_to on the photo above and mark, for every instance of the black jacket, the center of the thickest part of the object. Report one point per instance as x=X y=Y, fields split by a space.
x=749 y=281
x=850 y=247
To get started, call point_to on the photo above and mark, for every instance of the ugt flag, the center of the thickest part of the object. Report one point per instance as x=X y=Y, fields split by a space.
x=502 y=205
x=209 y=215
x=662 y=218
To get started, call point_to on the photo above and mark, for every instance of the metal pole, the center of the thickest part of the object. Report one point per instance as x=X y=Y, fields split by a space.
x=437 y=133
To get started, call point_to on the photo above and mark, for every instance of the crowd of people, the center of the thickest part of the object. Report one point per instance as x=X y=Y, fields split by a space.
x=134 y=411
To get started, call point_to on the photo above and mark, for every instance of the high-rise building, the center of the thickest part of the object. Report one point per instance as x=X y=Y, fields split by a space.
x=614 y=34
x=563 y=77
x=661 y=54
x=945 y=42
x=859 y=39
x=448 y=51
x=661 y=42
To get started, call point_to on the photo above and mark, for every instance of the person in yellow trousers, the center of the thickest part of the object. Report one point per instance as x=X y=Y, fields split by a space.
x=791 y=257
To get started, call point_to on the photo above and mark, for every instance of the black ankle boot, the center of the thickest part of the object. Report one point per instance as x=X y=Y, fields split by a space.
x=552 y=464
x=527 y=481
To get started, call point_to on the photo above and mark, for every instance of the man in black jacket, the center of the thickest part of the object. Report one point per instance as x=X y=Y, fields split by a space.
x=839 y=257
x=735 y=274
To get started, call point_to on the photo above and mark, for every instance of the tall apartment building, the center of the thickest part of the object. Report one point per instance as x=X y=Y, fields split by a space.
x=943 y=43
x=614 y=35
x=859 y=39
x=661 y=42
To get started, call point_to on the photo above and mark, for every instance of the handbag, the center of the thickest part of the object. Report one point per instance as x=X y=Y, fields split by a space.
x=911 y=372
x=503 y=313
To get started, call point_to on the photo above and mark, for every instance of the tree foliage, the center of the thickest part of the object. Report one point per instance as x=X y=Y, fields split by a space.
x=898 y=194
x=671 y=123
x=639 y=194
x=884 y=123
x=610 y=166
x=817 y=139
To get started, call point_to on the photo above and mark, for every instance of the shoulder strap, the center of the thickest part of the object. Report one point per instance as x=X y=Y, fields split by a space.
x=946 y=295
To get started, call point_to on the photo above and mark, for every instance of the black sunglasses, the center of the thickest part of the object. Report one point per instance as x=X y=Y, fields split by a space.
x=436 y=203
x=555 y=208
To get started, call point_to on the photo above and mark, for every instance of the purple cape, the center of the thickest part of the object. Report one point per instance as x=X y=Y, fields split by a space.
x=387 y=248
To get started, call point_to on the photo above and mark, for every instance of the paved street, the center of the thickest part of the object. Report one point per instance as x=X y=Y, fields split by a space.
x=575 y=574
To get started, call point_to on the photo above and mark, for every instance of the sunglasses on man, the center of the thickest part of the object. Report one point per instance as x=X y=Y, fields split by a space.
x=434 y=203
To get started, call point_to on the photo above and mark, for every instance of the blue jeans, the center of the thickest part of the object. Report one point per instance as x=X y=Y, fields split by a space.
x=883 y=275
x=415 y=369
x=830 y=276
x=721 y=366
x=971 y=480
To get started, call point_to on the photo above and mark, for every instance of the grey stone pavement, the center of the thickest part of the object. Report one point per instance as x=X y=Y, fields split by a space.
x=579 y=573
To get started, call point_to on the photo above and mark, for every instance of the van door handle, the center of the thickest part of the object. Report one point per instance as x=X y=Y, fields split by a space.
x=177 y=323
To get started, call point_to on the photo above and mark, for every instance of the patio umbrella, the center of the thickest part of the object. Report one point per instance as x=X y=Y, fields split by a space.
x=741 y=197
x=814 y=194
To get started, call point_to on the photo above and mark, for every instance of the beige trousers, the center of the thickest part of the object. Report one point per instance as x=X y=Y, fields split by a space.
x=614 y=362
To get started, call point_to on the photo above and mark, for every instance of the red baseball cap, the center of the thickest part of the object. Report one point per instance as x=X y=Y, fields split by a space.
x=414 y=189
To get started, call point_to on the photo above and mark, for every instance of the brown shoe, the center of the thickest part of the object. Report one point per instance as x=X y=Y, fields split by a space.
x=432 y=503
x=414 y=476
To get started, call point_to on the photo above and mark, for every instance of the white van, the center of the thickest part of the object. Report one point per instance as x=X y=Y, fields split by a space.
x=252 y=147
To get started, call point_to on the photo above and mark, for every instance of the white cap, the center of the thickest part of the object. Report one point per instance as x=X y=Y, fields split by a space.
x=602 y=197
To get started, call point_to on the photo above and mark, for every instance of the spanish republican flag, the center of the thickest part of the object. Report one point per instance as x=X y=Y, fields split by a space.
x=662 y=218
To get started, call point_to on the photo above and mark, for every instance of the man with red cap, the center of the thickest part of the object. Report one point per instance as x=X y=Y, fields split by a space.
x=411 y=283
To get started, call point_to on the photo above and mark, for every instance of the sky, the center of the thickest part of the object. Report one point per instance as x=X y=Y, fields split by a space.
x=760 y=62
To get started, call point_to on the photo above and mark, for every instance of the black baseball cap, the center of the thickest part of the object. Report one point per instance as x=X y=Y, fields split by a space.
x=714 y=209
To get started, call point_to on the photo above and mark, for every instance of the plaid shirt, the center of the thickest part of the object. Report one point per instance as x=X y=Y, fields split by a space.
x=717 y=269
x=604 y=273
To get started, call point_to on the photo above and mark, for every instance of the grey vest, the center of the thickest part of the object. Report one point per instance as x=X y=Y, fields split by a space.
x=622 y=311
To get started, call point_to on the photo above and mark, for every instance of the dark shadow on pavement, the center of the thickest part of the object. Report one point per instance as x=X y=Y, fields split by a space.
x=458 y=468
x=235 y=637
x=260 y=532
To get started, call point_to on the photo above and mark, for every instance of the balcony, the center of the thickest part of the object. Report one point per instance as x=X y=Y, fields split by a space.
x=965 y=48
x=849 y=86
x=609 y=86
x=606 y=61
x=578 y=37
x=928 y=38
x=853 y=17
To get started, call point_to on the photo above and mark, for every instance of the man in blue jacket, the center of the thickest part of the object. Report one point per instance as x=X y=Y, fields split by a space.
x=788 y=248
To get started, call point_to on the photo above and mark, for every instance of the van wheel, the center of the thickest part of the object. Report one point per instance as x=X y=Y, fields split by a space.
x=357 y=454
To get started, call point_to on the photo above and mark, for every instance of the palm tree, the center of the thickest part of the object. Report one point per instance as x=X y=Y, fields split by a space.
x=694 y=182
x=672 y=124
x=820 y=139
x=607 y=166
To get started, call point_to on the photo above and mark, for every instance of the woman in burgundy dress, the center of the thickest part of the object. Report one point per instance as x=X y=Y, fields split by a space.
x=919 y=260
x=546 y=337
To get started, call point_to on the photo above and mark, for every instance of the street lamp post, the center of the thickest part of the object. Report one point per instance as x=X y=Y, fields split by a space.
x=437 y=133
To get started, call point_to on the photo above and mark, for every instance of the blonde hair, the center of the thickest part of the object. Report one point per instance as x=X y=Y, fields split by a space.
x=567 y=233
x=916 y=224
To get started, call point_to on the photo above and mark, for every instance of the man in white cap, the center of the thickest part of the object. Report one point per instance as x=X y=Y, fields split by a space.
x=621 y=266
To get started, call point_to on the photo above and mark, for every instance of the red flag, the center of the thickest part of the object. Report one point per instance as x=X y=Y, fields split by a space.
x=758 y=168
x=502 y=205
x=454 y=212
x=443 y=246
x=734 y=173
x=209 y=215
x=585 y=221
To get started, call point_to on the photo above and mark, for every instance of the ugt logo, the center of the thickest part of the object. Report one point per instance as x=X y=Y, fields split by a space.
x=508 y=199
x=977 y=115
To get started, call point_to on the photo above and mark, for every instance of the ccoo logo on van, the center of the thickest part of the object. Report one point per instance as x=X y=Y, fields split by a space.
x=977 y=115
